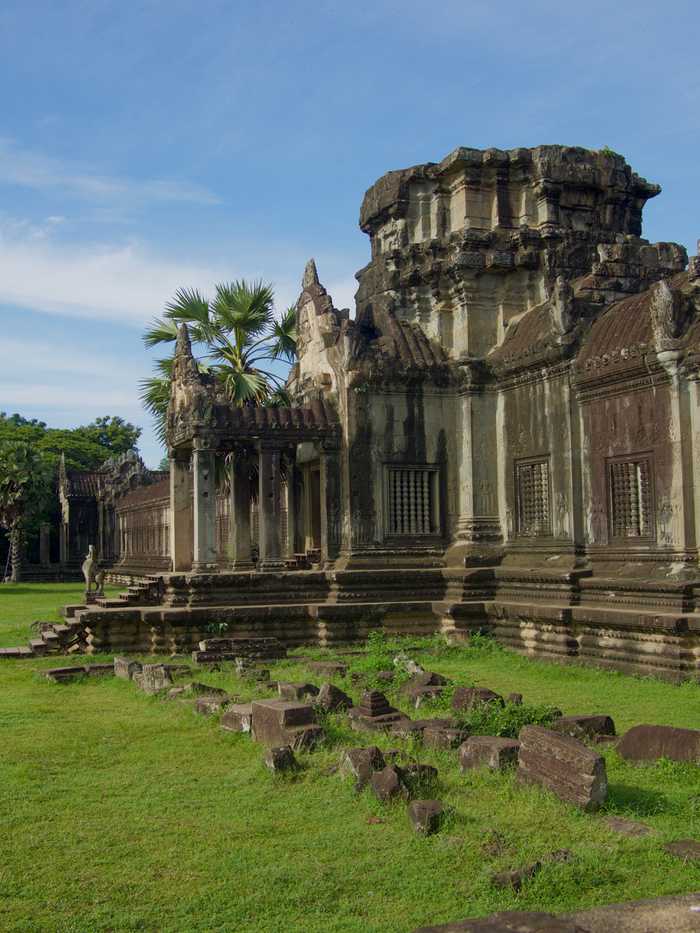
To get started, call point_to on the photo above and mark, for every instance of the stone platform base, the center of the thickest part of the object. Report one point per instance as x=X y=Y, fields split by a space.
x=654 y=630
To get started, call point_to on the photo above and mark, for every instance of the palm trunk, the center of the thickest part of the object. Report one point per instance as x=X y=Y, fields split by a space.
x=16 y=553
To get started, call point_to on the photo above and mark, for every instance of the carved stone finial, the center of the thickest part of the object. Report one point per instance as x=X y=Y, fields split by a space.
x=183 y=346
x=310 y=275
x=694 y=265
x=562 y=302
x=666 y=314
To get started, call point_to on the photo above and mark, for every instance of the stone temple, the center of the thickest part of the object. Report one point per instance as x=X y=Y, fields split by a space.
x=505 y=436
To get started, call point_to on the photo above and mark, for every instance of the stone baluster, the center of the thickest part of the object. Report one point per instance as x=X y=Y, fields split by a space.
x=269 y=508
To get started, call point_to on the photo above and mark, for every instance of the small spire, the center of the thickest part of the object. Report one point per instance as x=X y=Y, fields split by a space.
x=310 y=275
x=183 y=347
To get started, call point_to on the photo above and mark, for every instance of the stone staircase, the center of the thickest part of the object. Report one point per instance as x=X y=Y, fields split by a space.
x=143 y=592
x=53 y=638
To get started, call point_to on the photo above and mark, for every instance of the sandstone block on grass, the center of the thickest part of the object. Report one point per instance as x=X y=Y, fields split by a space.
x=153 y=678
x=444 y=737
x=489 y=751
x=331 y=699
x=687 y=849
x=468 y=697
x=277 y=723
x=237 y=718
x=649 y=743
x=584 y=727
x=280 y=759
x=328 y=668
x=361 y=763
x=210 y=705
x=125 y=668
x=290 y=691
x=387 y=784
x=425 y=816
x=563 y=765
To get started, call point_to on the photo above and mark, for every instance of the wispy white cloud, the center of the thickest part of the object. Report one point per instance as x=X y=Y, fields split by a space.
x=124 y=282
x=29 y=169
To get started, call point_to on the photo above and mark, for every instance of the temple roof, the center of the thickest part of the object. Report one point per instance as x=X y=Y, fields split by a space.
x=82 y=484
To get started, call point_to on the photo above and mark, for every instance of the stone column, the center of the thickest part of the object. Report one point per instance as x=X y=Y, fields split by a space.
x=269 y=508
x=181 y=533
x=293 y=504
x=203 y=474
x=330 y=505
x=239 y=479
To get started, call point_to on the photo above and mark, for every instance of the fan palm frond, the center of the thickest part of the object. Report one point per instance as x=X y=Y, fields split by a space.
x=284 y=336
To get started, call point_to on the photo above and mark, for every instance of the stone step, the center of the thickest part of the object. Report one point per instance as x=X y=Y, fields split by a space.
x=19 y=652
x=38 y=646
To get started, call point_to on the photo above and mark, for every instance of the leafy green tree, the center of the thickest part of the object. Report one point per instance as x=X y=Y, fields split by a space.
x=112 y=433
x=25 y=483
x=236 y=339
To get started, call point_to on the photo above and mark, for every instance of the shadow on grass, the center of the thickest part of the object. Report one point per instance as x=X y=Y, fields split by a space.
x=638 y=800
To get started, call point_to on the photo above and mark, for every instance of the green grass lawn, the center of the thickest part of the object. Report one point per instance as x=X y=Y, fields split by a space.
x=126 y=812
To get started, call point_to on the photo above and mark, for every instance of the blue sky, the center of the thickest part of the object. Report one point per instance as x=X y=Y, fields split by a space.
x=149 y=145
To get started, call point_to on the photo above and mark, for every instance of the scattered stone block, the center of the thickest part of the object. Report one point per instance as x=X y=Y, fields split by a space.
x=404 y=663
x=387 y=784
x=512 y=921
x=584 y=727
x=251 y=649
x=425 y=816
x=238 y=717
x=649 y=743
x=515 y=699
x=488 y=751
x=328 y=668
x=62 y=675
x=424 y=679
x=276 y=723
x=687 y=849
x=567 y=767
x=331 y=699
x=444 y=737
x=421 y=695
x=385 y=677
x=290 y=691
x=374 y=712
x=465 y=698
x=152 y=678
x=178 y=693
x=626 y=827
x=515 y=879
x=212 y=704
x=125 y=668
x=361 y=763
x=280 y=759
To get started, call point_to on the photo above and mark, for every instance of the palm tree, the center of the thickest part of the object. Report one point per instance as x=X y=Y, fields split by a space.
x=239 y=338
x=24 y=484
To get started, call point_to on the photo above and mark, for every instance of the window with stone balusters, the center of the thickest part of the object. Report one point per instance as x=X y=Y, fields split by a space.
x=533 y=498
x=631 y=498
x=412 y=507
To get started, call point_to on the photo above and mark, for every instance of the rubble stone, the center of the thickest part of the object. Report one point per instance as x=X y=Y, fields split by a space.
x=465 y=698
x=425 y=816
x=280 y=759
x=125 y=668
x=387 y=783
x=361 y=763
x=584 y=727
x=648 y=743
x=564 y=765
x=290 y=691
x=276 y=723
x=687 y=849
x=332 y=699
x=211 y=704
x=152 y=678
x=490 y=751
x=374 y=712
x=238 y=717
x=512 y=921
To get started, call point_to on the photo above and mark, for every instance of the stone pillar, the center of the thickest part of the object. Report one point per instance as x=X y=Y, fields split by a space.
x=269 y=508
x=181 y=533
x=293 y=507
x=203 y=474
x=63 y=543
x=45 y=544
x=330 y=505
x=239 y=480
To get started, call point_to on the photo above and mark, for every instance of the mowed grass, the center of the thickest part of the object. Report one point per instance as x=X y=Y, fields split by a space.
x=126 y=812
